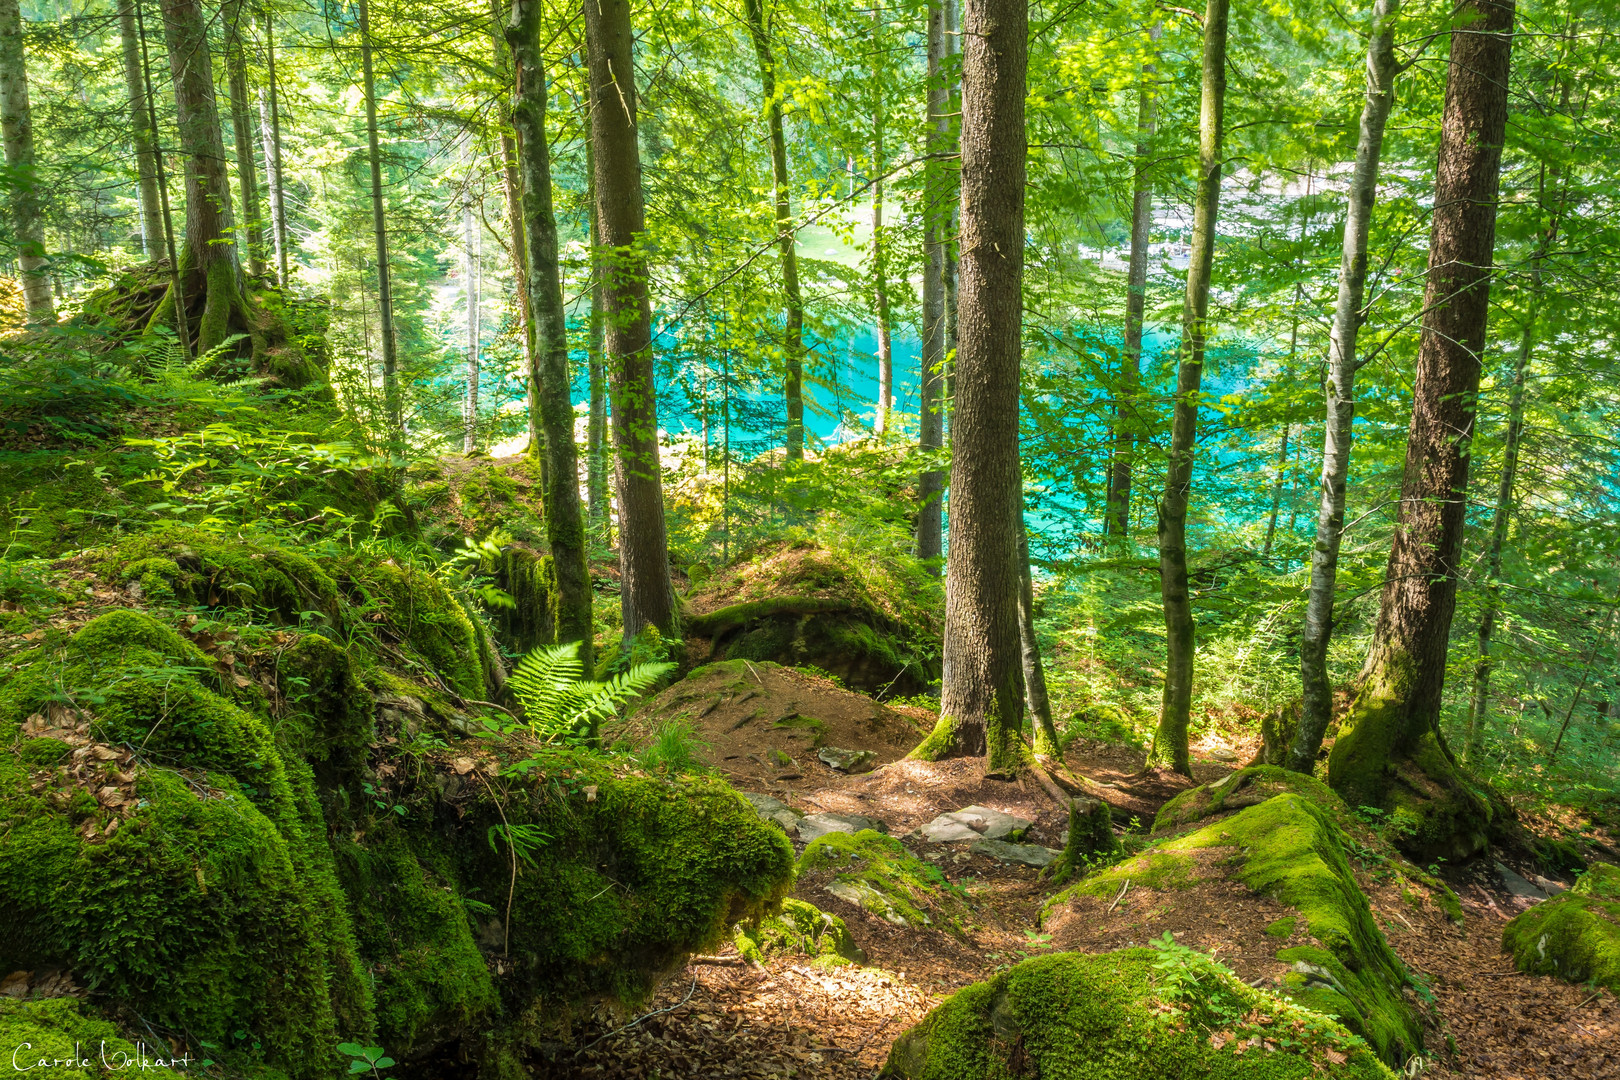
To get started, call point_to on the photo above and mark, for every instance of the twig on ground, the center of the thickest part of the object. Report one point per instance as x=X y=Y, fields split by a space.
x=645 y=1016
x=1118 y=898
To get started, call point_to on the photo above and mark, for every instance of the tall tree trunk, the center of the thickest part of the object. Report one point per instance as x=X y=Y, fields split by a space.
x=565 y=518
x=142 y=137
x=787 y=238
x=1348 y=314
x=1394 y=721
x=880 y=254
x=270 y=123
x=953 y=43
x=512 y=187
x=646 y=594
x=596 y=377
x=982 y=700
x=379 y=227
x=936 y=227
x=1170 y=740
x=1126 y=422
x=247 y=177
x=470 y=248
x=17 y=129
x=1276 y=492
x=149 y=100
x=1036 y=699
x=208 y=264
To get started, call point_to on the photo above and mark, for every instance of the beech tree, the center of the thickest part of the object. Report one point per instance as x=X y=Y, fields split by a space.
x=17 y=132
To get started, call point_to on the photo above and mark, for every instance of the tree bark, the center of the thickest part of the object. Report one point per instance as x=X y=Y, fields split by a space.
x=880 y=255
x=142 y=138
x=392 y=398
x=208 y=263
x=646 y=594
x=565 y=518
x=953 y=49
x=470 y=248
x=787 y=238
x=1126 y=421
x=1316 y=709
x=936 y=227
x=596 y=376
x=270 y=123
x=1036 y=699
x=17 y=128
x=512 y=188
x=982 y=703
x=247 y=177
x=1394 y=720
x=149 y=98
x=1170 y=740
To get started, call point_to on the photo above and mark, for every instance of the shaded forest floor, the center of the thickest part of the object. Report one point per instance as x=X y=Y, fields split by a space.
x=723 y=1017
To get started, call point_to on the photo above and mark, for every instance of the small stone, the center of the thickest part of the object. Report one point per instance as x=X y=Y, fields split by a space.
x=974 y=823
x=1223 y=754
x=1549 y=886
x=852 y=762
x=775 y=810
x=821 y=824
x=1518 y=886
x=1026 y=854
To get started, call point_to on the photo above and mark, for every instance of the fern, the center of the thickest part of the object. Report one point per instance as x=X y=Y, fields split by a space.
x=560 y=703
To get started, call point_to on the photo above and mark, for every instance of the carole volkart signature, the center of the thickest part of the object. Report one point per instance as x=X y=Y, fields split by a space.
x=25 y=1059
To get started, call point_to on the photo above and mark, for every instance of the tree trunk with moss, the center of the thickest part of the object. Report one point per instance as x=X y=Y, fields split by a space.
x=392 y=397
x=647 y=596
x=982 y=700
x=142 y=139
x=247 y=174
x=209 y=275
x=936 y=229
x=565 y=518
x=786 y=236
x=1316 y=708
x=596 y=496
x=17 y=128
x=270 y=123
x=1389 y=752
x=1175 y=710
x=1036 y=699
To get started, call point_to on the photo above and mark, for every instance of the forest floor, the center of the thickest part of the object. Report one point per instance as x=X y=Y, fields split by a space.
x=722 y=1017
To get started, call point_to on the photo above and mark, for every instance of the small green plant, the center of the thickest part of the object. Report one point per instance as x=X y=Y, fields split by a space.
x=561 y=705
x=365 y=1059
x=523 y=839
x=674 y=746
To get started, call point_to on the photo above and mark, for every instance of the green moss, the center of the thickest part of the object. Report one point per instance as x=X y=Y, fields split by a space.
x=1090 y=840
x=42 y=753
x=53 y=1038
x=1288 y=848
x=1099 y=1017
x=1575 y=935
x=426 y=617
x=329 y=709
x=207 y=569
x=1283 y=927
x=799 y=929
x=1246 y=787
x=877 y=873
x=531 y=580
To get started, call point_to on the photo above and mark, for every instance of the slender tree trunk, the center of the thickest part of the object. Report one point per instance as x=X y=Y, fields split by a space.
x=247 y=177
x=512 y=185
x=880 y=255
x=936 y=226
x=208 y=264
x=1036 y=699
x=1395 y=715
x=470 y=248
x=982 y=703
x=17 y=129
x=270 y=117
x=149 y=97
x=787 y=238
x=1126 y=422
x=379 y=227
x=596 y=421
x=142 y=137
x=953 y=42
x=565 y=518
x=1170 y=740
x=1317 y=693
x=646 y=594
x=1276 y=492
x=1586 y=675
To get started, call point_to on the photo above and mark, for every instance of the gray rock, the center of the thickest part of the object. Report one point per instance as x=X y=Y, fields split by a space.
x=867 y=898
x=1223 y=754
x=1518 y=886
x=821 y=824
x=1318 y=976
x=775 y=810
x=974 y=823
x=1549 y=886
x=1027 y=854
x=853 y=762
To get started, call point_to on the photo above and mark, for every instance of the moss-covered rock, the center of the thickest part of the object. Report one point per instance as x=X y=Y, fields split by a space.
x=1137 y=1014
x=1288 y=848
x=205 y=569
x=1243 y=788
x=876 y=873
x=1575 y=935
x=799 y=929
x=52 y=1037
x=1090 y=840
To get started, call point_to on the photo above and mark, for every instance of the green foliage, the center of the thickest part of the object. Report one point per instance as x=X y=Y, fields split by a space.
x=1575 y=935
x=877 y=873
x=799 y=929
x=559 y=703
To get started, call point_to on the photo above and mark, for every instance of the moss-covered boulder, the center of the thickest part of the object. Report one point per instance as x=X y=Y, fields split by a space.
x=1575 y=935
x=1288 y=848
x=876 y=873
x=1245 y=787
x=1137 y=1014
x=799 y=929
x=52 y=1037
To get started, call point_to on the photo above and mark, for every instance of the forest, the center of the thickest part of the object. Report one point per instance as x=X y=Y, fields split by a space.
x=926 y=539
